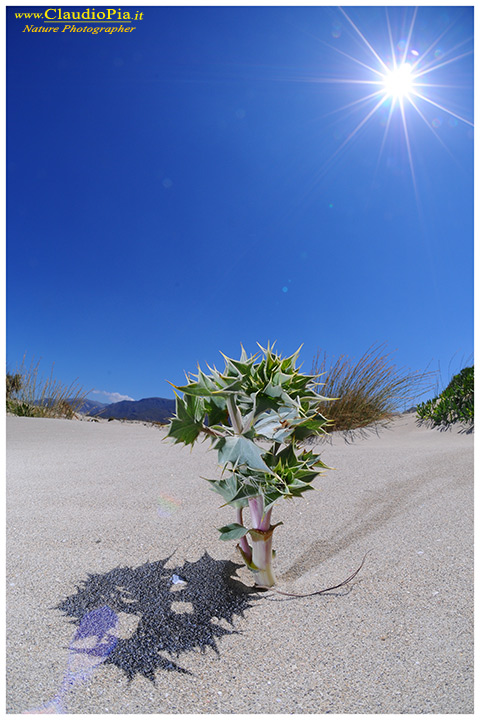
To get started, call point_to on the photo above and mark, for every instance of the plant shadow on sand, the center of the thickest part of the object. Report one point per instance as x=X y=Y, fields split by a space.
x=170 y=618
x=458 y=427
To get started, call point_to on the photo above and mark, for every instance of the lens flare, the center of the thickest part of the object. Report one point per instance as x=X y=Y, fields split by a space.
x=94 y=640
x=167 y=505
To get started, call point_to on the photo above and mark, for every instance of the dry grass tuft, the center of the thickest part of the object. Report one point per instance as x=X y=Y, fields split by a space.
x=31 y=395
x=369 y=391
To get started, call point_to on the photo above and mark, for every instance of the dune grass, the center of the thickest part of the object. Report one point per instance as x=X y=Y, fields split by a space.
x=29 y=394
x=368 y=391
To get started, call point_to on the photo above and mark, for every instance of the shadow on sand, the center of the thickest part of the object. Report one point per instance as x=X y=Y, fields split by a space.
x=170 y=616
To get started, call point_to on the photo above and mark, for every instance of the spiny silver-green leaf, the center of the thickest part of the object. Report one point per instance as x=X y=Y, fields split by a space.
x=226 y=487
x=275 y=425
x=239 y=450
x=234 y=531
x=187 y=424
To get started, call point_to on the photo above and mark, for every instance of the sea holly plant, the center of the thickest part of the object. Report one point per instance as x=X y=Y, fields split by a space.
x=258 y=413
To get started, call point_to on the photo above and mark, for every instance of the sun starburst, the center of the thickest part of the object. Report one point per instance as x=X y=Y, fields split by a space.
x=401 y=80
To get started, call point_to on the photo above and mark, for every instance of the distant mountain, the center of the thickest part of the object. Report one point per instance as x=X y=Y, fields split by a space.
x=149 y=409
x=85 y=408
x=89 y=405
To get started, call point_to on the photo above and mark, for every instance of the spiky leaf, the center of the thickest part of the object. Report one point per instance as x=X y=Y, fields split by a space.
x=187 y=424
x=239 y=450
x=234 y=531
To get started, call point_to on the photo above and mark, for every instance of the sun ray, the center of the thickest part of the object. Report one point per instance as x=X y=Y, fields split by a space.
x=364 y=39
x=361 y=101
x=352 y=134
x=407 y=44
x=435 y=42
x=392 y=46
x=441 y=85
x=439 y=65
x=362 y=123
x=384 y=138
x=407 y=144
x=356 y=60
x=346 y=81
x=442 y=107
x=431 y=128
x=435 y=61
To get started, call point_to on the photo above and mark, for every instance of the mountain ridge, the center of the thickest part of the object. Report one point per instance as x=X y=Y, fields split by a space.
x=153 y=409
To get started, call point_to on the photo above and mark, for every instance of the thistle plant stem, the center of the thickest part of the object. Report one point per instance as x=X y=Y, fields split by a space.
x=261 y=542
x=262 y=559
x=260 y=520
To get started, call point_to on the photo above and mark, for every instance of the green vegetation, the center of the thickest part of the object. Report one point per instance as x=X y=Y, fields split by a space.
x=368 y=391
x=29 y=395
x=254 y=401
x=454 y=404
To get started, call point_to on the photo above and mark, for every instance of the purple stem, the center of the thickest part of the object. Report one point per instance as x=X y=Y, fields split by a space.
x=260 y=520
x=261 y=547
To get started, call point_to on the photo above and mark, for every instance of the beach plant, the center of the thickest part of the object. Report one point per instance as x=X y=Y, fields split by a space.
x=368 y=391
x=13 y=384
x=258 y=412
x=454 y=404
x=29 y=394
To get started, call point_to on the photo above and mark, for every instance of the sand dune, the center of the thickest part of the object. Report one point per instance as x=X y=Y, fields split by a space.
x=101 y=516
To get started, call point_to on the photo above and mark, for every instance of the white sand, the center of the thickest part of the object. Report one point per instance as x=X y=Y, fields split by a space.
x=84 y=498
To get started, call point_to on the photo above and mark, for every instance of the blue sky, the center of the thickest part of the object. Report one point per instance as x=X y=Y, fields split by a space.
x=220 y=175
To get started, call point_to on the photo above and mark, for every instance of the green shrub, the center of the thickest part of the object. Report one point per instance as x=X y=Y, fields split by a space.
x=22 y=409
x=454 y=404
x=368 y=391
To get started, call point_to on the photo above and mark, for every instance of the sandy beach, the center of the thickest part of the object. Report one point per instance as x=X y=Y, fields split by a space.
x=105 y=514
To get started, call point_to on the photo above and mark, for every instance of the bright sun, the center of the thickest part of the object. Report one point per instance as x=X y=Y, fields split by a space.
x=398 y=83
